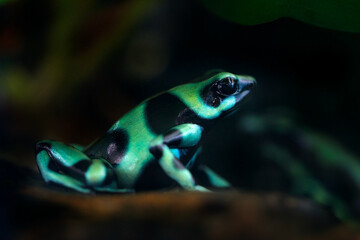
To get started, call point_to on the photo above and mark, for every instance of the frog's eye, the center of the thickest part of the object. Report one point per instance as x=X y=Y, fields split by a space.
x=215 y=102
x=226 y=86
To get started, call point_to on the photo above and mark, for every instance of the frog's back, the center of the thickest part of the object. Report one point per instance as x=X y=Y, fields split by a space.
x=128 y=139
x=126 y=144
x=128 y=136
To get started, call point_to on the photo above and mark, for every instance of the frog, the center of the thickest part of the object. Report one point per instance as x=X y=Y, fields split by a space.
x=154 y=146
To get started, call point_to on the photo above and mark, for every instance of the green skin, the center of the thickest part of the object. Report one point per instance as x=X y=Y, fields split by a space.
x=135 y=154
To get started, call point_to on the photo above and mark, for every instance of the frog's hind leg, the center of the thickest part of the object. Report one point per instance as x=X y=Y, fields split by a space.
x=50 y=173
x=68 y=166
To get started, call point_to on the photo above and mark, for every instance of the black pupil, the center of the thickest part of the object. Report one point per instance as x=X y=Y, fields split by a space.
x=226 y=86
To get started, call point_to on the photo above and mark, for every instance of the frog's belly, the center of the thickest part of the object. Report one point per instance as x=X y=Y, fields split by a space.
x=153 y=177
x=140 y=170
x=132 y=165
x=142 y=175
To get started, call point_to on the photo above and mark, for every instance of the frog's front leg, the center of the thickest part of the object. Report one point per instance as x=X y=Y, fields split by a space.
x=68 y=166
x=181 y=136
x=205 y=175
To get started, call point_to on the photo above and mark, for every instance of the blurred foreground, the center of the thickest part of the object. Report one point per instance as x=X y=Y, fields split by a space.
x=37 y=211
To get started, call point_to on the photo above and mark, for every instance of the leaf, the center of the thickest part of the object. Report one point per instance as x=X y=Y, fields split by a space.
x=5 y=1
x=341 y=15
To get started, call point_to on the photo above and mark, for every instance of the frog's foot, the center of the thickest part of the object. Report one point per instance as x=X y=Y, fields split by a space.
x=212 y=178
x=68 y=166
x=181 y=136
x=51 y=174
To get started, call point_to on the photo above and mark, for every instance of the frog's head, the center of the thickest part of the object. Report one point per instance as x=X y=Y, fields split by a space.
x=224 y=91
x=213 y=97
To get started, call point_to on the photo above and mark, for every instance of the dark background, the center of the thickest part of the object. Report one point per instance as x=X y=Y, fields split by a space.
x=311 y=71
x=306 y=73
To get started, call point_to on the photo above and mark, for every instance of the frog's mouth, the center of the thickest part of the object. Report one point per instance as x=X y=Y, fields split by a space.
x=242 y=96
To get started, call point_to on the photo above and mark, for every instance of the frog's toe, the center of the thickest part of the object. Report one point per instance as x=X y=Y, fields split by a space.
x=207 y=177
x=201 y=189
x=67 y=181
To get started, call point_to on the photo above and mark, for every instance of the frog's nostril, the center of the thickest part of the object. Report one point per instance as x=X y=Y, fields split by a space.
x=251 y=84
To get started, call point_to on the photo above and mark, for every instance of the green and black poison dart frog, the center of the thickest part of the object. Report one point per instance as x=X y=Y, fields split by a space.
x=154 y=146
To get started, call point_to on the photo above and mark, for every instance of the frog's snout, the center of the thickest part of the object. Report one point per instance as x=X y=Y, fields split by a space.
x=247 y=83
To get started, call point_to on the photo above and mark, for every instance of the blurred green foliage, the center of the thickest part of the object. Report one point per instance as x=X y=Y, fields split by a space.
x=5 y=1
x=80 y=35
x=317 y=166
x=334 y=14
x=303 y=181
